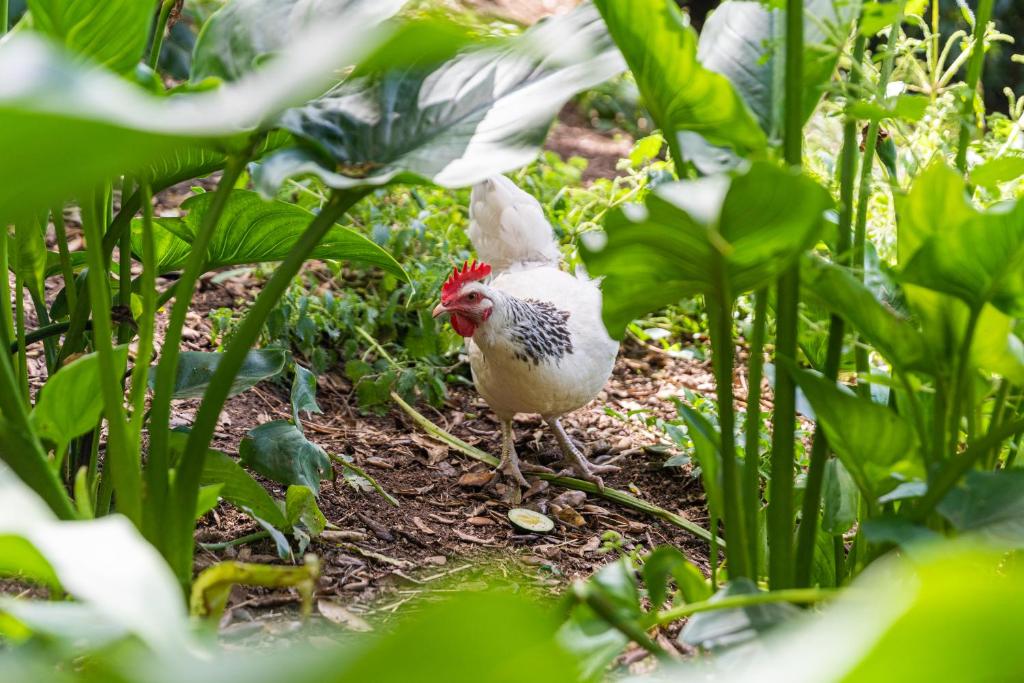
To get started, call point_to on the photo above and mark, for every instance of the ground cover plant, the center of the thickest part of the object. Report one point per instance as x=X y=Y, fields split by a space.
x=819 y=197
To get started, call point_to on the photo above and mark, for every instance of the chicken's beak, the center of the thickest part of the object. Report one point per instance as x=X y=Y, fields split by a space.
x=439 y=310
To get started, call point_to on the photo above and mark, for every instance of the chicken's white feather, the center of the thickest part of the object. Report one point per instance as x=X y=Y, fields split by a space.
x=508 y=229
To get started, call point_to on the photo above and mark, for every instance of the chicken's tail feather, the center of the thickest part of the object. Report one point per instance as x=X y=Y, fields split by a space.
x=507 y=227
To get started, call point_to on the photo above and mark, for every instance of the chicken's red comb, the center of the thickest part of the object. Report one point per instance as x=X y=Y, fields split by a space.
x=471 y=271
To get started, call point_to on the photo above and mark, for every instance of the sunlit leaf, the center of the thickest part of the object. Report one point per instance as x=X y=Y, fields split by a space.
x=111 y=33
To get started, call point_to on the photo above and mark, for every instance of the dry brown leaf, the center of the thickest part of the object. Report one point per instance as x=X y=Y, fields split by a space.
x=481 y=478
x=339 y=615
x=480 y=521
x=436 y=451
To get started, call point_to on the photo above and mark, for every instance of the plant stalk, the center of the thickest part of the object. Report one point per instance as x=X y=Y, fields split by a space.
x=122 y=458
x=157 y=469
x=974 y=67
x=60 y=234
x=799 y=595
x=186 y=485
x=6 y=322
x=752 y=441
x=158 y=33
x=780 y=506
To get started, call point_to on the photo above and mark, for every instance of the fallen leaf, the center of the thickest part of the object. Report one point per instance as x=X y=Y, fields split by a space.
x=380 y=463
x=436 y=451
x=481 y=478
x=339 y=615
x=568 y=515
x=480 y=521
x=572 y=499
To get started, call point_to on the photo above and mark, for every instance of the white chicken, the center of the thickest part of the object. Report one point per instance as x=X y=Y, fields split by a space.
x=534 y=333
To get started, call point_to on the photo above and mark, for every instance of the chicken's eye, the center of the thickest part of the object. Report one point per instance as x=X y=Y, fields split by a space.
x=471 y=297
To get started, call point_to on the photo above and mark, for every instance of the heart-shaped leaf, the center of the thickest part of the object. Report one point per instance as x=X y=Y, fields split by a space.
x=840 y=497
x=303 y=395
x=482 y=113
x=253 y=230
x=757 y=222
x=667 y=562
x=681 y=94
x=872 y=441
x=196 y=368
x=279 y=451
x=111 y=33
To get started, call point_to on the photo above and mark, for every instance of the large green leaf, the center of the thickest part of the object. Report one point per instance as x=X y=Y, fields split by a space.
x=253 y=230
x=978 y=259
x=837 y=290
x=196 y=368
x=50 y=104
x=242 y=34
x=68 y=404
x=873 y=442
x=840 y=499
x=989 y=505
x=482 y=113
x=112 y=33
x=279 y=451
x=757 y=223
x=681 y=94
x=29 y=256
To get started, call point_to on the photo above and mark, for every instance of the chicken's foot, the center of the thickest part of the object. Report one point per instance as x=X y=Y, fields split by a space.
x=579 y=465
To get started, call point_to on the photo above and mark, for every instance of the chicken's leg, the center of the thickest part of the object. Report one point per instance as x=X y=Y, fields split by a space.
x=509 y=465
x=579 y=464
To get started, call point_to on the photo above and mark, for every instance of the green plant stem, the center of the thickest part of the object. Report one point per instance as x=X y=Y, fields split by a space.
x=359 y=471
x=122 y=457
x=50 y=347
x=73 y=340
x=780 y=506
x=4 y=16
x=565 y=482
x=720 y=310
x=959 y=465
x=124 y=290
x=144 y=354
x=798 y=595
x=241 y=540
x=158 y=33
x=61 y=236
x=157 y=469
x=808 y=530
x=998 y=412
x=6 y=322
x=864 y=196
x=19 y=329
x=752 y=441
x=960 y=390
x=974 y=67
x=629 y=628
x=186 y=486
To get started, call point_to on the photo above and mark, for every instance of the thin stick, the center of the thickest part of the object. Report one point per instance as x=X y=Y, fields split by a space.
x=359 y=471
x=566 y=482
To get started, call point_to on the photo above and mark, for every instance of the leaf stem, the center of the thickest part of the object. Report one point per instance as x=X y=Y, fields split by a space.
x=158 y=33
x=61 y=235
x=752 y=450
x=167 y=369
x=800 y=595
x=122 y=459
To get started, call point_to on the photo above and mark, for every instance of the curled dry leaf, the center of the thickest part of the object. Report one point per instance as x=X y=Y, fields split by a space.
x=481 y=478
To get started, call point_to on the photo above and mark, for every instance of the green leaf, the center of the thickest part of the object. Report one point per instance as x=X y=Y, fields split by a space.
x=898 y=531
x=979 y=260
x=838 y=291
x=303 y=396
x=280 y=452
x=989 y=505
x=68 y=406
x=667 y=562
x=51 y=104
x=905 y=107
x=482 y=113
x=112 y=33
x=823 y=566
x=243 y=34
x=301 y=508
x=29 y=257
x=681 y=94
x=723 y=628
x=757 y=222
x=740 y=41
x=872 y=441
x=208 y=497
x=876 y=16
x=196 y=368
x=1001 y=169
x=707 y=449
x=253 y=230
x=240 y=489
x=840 y=497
